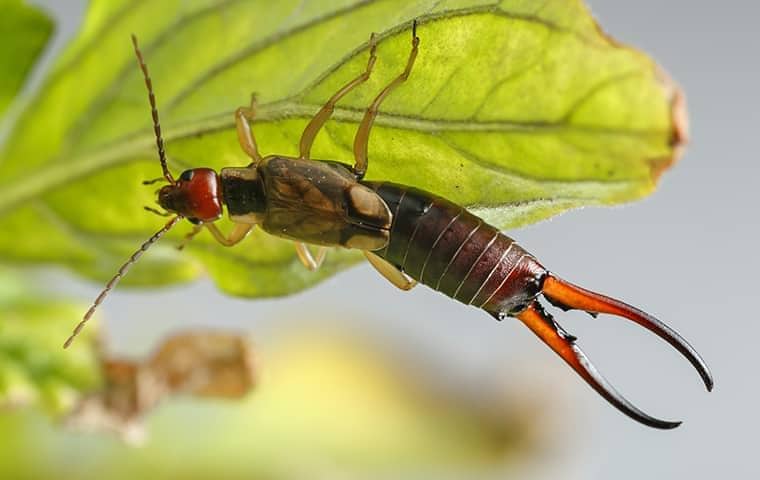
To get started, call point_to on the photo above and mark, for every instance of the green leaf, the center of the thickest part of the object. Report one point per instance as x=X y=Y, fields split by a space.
x=25 y=31
x=34 y=369
x=516 y=109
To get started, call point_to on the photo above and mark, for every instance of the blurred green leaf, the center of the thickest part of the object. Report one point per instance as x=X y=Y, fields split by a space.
x=34 y=369
x=517 y=109
x=327 y=407
x=25 y=31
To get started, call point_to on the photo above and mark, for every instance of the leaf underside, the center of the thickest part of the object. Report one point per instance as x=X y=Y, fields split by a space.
x=516 y=109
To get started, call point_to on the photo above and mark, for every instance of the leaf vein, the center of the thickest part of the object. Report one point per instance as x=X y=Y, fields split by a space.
x=254 y=49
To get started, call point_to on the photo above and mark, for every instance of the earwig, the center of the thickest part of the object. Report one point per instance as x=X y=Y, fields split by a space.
x=407 y=234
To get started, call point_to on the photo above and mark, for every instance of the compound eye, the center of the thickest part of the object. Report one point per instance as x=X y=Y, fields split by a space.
x=186 y=176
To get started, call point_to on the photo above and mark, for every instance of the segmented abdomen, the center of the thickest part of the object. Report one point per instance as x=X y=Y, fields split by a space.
x=451 y=250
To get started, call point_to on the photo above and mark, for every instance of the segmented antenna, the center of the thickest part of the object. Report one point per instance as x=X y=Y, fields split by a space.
x=154 y=113
x=122 y=271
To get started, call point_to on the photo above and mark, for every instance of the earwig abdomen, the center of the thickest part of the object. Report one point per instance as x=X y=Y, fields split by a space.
x=449 y=249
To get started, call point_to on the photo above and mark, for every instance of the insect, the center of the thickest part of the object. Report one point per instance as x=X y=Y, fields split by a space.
x=407 y=234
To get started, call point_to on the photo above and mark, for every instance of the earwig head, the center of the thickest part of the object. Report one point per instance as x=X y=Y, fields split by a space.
x=196 y=195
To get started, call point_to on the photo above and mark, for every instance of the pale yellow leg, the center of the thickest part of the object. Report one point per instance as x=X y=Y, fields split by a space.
x=245 y=136
x=361 y=141
x=308 y=260
x=195 y=231
x=238 y=233
x=393 y=274
x=316 y=123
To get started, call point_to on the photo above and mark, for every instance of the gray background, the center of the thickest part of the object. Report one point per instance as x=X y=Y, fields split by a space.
x=687 y=254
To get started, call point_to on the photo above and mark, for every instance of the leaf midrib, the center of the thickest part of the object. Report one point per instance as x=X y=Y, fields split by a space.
x=63 y=170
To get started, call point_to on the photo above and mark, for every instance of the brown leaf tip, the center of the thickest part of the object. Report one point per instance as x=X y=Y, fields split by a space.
x=679 y=123
x=679 y=119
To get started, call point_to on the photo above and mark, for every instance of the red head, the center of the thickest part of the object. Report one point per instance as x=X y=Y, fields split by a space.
x=196 y=195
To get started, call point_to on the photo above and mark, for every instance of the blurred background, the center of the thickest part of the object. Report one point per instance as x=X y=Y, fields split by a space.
x=423 y=385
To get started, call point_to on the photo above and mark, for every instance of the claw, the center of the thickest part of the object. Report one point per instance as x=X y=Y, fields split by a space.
x=568 y=296
x=544 y=326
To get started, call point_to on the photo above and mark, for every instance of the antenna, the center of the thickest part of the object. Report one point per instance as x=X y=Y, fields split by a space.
x=115 y=279
x=154 y=113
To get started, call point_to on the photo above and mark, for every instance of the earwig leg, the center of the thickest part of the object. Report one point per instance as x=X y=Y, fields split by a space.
x=156 y=212
x=361 y=140
x=390 y=272
x=318 y=121
x=189 y=237
x=568 y=296
x=153 y=180
x=245 y=136
x=238 y=233
x=308 y=260
x=544 y=326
